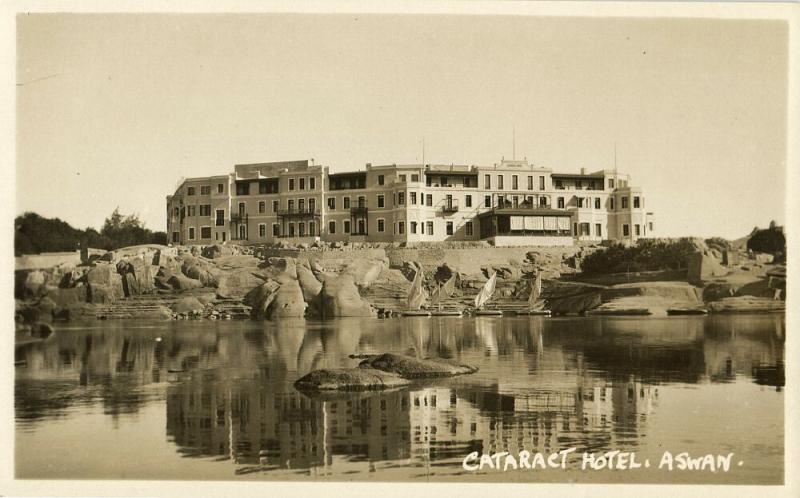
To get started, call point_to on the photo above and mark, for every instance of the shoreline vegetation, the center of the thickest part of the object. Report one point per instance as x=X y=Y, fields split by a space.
x=329 y=280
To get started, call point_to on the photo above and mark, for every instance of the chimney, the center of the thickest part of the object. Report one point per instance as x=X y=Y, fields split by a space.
x=583 y=171
x=369 y=165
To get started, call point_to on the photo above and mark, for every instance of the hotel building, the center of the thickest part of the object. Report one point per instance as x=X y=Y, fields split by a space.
x=510 y=203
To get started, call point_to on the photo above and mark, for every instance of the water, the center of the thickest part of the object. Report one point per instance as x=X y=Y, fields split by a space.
x=215 y=400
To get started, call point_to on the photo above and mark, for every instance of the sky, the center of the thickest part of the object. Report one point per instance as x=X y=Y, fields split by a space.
x=114 y=109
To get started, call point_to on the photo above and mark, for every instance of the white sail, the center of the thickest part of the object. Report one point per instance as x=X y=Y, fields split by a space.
x=416 y=295
x=536 y=291
x=486 y=292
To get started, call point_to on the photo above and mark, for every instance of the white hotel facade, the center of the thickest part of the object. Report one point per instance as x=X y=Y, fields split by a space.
x=510 y=203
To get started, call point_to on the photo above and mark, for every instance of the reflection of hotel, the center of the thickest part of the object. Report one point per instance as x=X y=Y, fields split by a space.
x=509 y=203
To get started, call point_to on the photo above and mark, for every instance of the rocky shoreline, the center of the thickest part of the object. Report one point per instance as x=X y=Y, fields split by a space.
x=222 y=282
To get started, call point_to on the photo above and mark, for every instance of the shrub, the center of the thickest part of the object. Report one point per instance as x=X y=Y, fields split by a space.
x=646 y=255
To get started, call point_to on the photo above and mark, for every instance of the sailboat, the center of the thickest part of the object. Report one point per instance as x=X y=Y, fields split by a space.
x=485 y=295
x=444 y=291
x=416 y=297
x=535 y=303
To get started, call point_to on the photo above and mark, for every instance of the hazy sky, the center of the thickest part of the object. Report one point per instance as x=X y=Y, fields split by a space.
x=115 y=109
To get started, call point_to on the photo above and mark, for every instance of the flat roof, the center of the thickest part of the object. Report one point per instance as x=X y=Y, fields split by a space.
x=526 y=212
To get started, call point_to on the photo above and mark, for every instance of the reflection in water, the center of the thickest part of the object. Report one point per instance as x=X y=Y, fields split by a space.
x=543 y=385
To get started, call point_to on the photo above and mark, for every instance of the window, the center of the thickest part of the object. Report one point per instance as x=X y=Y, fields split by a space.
x=291 y=183
x=597 y=203
x=190 y=211
x=177 y=211
x=530 y=183
x=650 y=226
x=626 y=230
x=560 y=203
x=345 y=202
x=578 y=184
x=312 y=205
x=544 y=201
x=332 y=227
x=612 y=203
x=205 y=210
x=262 y=207
x=637 y=229
x=541 y=183
x=449 y=228
x=275 y=206
x=610 y=183
x=381 y=225
x=262 y=230
x=301 y=229
x=381 y=201
x=487 y=181
x=301 y=205
x=312 y=183
x=499 y=182
x=624 y=202
x=205 y=190
x=598 y=229
x=401 y=227
x=445 y=181
x=190 y=191
x=468 y=200
x=346 y=226
x=220 y=218
x=401 y=198
x=584 y=227
x=242 y=188
x=220 y=188
x=312 y=228
x=331 y=202
x=487 y=201
x=402 y=178
x=559 y=185
x=413 y=227
x=302 y=184
x=430 y=227
x=191 y=233
x=412 y=197
x=381 y=180
x=636 y=202
x=291 y=229
x=414 y=178
x=429 y=200
x=514 y=182
x=290 y=205
x=468 y=228
x=276 y=230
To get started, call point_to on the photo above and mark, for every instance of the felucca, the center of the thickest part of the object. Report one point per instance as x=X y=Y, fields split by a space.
x=485 y=295
x=416 y=297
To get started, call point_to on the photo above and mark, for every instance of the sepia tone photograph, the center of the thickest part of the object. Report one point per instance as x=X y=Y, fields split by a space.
x=400 y=247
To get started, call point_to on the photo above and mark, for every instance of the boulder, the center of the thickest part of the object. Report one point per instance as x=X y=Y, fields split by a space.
x=764 y=258
x=340 y=298
x=237 y=282
x=146 y=278
x=64 y=298
x=409 y=367
x=352 y=379
x=187 y=305
x=181 y=282
x=260 y=297
x=33 y=283
x=203 y=275
x=288 y=301
x=103 y=294
x=309 y=284
x=365 y=271
x=703 y=267
x=40 y=330
x=216 y=251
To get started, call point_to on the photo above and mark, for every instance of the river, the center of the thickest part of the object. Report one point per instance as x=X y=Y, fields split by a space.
x=215 y=399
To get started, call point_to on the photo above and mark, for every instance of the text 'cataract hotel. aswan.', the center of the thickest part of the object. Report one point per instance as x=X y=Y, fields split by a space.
x=510 y=203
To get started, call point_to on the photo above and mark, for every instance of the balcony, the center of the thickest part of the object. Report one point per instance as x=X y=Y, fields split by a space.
x=524 y=206
x=298 y=211
x=450 y=207
x=239 y=218
x=359 y=210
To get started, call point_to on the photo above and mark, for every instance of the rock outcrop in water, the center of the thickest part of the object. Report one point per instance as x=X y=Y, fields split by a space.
x=416 y=368
x=352 y=379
